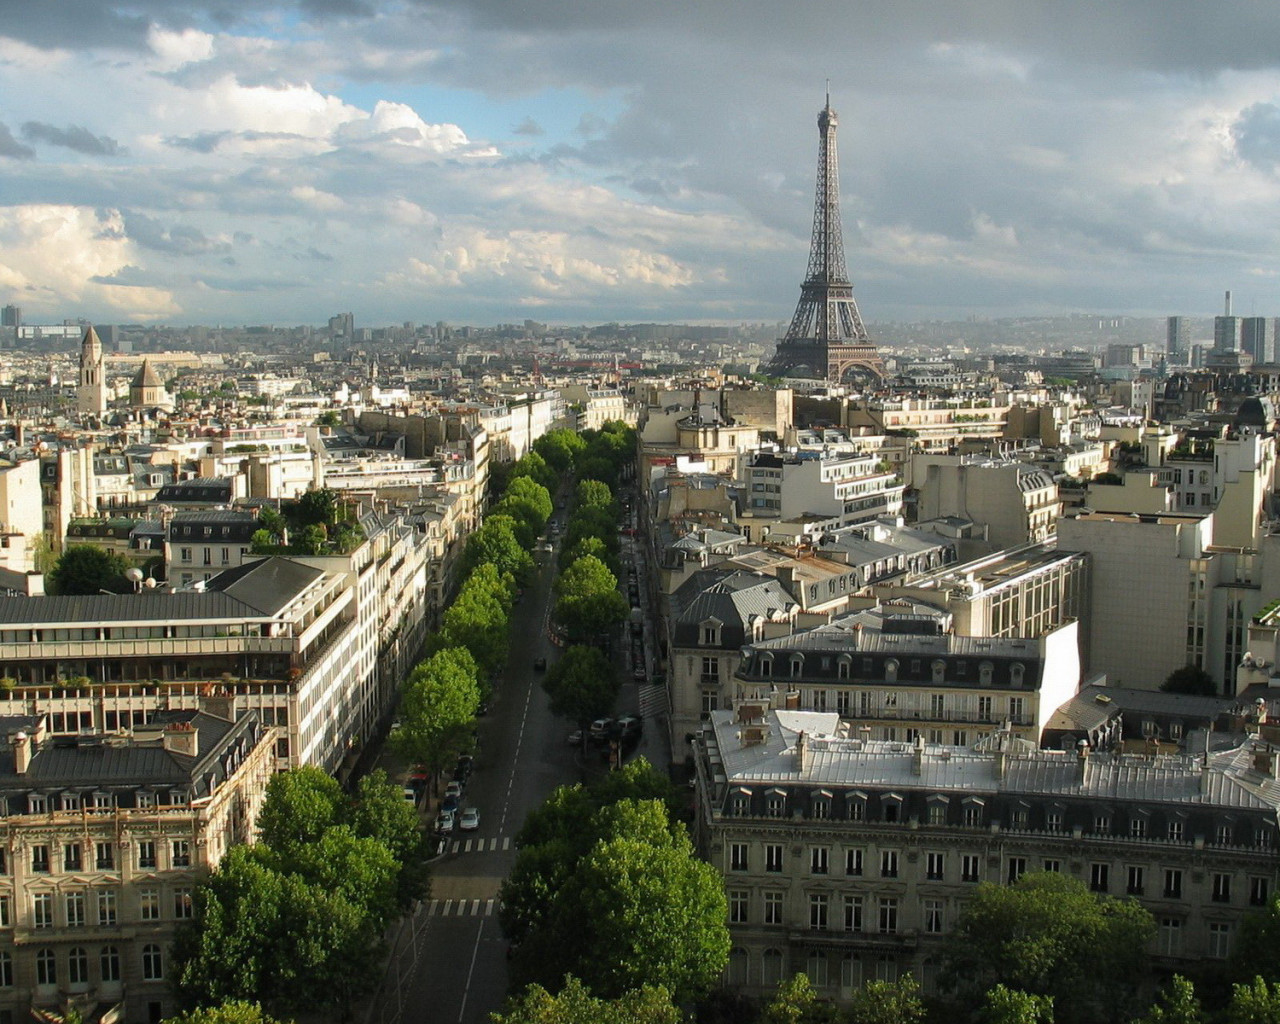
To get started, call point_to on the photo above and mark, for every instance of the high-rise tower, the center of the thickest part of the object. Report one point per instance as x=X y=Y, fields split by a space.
x=827 y=336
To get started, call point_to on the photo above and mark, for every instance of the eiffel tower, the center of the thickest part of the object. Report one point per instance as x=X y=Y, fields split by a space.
x=826 y=337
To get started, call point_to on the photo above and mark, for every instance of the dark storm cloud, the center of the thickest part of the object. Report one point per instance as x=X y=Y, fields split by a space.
x=74 y=136
x=1257 y=135
x=11 y=147
x=176 y=239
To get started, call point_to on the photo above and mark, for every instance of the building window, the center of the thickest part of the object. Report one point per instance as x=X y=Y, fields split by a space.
x=1098 y=875
x=6 y=912
x=857 y=809
x=42 y=909
x=183 y=905
x=71 y=859
x=1172 y=884
x=77 y=966
x=771 y=967
x=973 y=815
x=1219 y=940
x=1053 y=821
x=933 y=917
x=937 y=813
x=818 y=860
x=46 y=968
x=816 y=968
x=935 y=865
x=970 y=868
x=146 y=853
x=152 y=964
x=1170 y=936
x=106 y=906
x=105 y=856
x=741 y=805
x=737 y=856
x=773 y=908
x=1053 y=865
x=739 y=901
x=6 y=970
x=1134 y=884
x=1221 y=888
x=1018 y=817
x=820 y=808
x=818 y=912
x=853 y=913
x=1102 y=824
x=888 y=863
x=1175 y=830
x=109 y=963
x=1138 y=828
x=1017 y=868
x=710 y=636
x=1223 y=835
x=149 y=904
x=73 y=903
x=776 y=805
x=984 y=709
x=1017 y=709
x=888 y=915
x=40 y=858
x=773 y=857
x=853 y=862
x=181 y=853
x=1259 y=891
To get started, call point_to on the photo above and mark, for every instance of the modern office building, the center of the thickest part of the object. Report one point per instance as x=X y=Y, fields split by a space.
x=1226 y=330
x=1255 y=340
x=1177 y=345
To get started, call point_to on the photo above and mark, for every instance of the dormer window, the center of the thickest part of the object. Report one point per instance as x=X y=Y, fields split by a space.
x=766 y=665
x=939 y=668
x=776 y=803
x=797 y=666
x=1016 y=672
x=891 y=670
x=842 y=667
x=984 y=673
x=709 y=633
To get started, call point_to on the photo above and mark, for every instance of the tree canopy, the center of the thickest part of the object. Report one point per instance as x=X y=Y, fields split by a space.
x=1190 y=679
x=559 y=448
x=1048 y=935
x=478 y=619
x=588 y=602
x=582 y=685
x=438 y=703
x=575 y=1005
x=496 y=544
x=236 y=1011
x=85 y=569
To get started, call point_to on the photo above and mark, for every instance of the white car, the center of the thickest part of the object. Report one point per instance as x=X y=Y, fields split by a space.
x=470 y=820
x=444 y=821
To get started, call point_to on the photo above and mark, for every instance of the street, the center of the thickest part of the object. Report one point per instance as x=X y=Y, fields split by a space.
x=449 y=963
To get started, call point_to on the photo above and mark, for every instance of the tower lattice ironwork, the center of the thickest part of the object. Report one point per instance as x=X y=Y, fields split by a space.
x=827 y=335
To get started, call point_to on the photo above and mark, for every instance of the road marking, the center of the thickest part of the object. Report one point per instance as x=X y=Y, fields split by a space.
x=466 y=988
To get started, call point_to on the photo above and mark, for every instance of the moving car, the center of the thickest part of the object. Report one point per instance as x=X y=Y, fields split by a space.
x=470 y=820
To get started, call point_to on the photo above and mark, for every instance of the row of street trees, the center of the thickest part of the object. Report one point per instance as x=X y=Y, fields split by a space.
x=294 y=922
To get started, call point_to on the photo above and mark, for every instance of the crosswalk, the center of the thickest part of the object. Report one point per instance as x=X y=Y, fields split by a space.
x=480 y=845
x=461 y=908
x=653 y=700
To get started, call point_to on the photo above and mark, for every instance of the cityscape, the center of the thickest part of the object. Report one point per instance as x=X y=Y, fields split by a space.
x=462 y=562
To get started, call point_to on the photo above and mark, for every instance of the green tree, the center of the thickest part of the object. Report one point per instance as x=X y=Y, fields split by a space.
x=582 y=685
x=529 y=504
x=315 y=508
x=311 y=540
x=1190 y=679
x=587 y=601
x=1255 y=1002
x=594 y=468
x=575 y=1005
x=888 y=1002
x=496 y=544
x=1177 y=1004
x=592 y=521
x=329 y=418
x=1010 y=1006
x=594 y=547
x=265 y=935
x=381 y=812
x=438 y=705
x=85 y=569
x=236 y=1011
x=263 y=542
x=1257 y=950
x=595 y=494
x=559 y=448
x=796 y=1002
x=42 y=557
x=359 y=869
x=478 y=619
x=300 y=805
x=534 y=466
x=1048 y=935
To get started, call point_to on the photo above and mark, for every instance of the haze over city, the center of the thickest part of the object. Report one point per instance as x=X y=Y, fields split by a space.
x=203 y=162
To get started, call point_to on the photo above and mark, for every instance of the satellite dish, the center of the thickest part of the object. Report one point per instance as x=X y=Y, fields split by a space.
x=133 y=575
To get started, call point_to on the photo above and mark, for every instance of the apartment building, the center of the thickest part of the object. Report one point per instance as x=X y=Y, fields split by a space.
x=899 y=672
x=316 y=646
x=1016 y=503
x=850 y=859
x=936 y=424
x=842 y=490
x=199 y=545
x=103 y=840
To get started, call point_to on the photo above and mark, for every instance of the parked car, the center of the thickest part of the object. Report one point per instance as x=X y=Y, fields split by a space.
x=470 y=820
x=454 y=789
x=410 y=795
x=465 y=763
x=600 y=729
x=444 y=822
x=575 y=738
x=630 y=726
x=450 y=804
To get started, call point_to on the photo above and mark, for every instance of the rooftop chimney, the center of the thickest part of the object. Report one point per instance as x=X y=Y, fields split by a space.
x=917 y=756
x=182 y=738
x=1227 y=310
x=803 y=753
x=1082 y=761
x=21 y=744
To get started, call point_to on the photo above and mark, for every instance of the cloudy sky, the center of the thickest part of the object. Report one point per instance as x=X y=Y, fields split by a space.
x=248 y=161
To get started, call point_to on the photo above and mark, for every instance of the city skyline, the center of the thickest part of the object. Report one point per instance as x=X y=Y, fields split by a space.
x=182 y=163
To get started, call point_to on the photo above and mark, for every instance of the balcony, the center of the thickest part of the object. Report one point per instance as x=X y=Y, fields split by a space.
x=183 y=647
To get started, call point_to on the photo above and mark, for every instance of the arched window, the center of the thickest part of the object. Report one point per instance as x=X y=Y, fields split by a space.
x=77 y=966
x=1016 y=671
x=797 y=666
x=850 y=974
x=842 y=666
x=738 y=967
x=891 y=670
x=46 y=968
x=939 y=671
x=766 y=665
x=771 y=969
x=152 y=964
x=816 y=968
x=109 y=963
x=984 y=673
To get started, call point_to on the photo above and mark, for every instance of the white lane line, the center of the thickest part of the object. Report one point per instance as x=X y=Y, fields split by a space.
x=466 y=988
